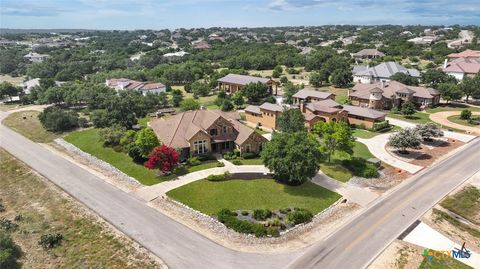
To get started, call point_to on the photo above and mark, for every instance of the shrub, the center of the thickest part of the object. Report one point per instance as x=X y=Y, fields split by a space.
x=273 y=231
x=48 y=241
x=220 y=177
x=83 y=122
x=300 y=216
x=249 y=155
x=192 y=161
x=2 y=207
x=465 y=114
x=111 y=136
x=118 y=148
x=237 y=162
x=245 y=213
x=261 y=214
x=58 y=120
x=180 y=170
x=236 y=152
x=7 y=225
x=359 y=167
x=135 y=152
x=220 y=164
x=9 y=252
x=380 y=125
x=206 y=157
x=228 y=218
x=284 y=211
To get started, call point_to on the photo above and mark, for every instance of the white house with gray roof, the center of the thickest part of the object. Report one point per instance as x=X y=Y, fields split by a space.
x=381 y=72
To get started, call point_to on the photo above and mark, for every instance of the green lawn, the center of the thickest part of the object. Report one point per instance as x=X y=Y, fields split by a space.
x=143 y=121
x=362 y=133
x=361 y=151
x=451 y=107
x=27 y=124
x=203 y=166
x=210 y=197
x=89 y=141
x=443 y=264
x=456 y=119
x=418 y=117
x=256 y=161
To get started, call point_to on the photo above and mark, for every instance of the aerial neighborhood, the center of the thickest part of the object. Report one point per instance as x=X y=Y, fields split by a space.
x=240 y=147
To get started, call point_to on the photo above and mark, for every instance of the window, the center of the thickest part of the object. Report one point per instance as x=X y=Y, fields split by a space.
x=224 y=129
x=200 y=147
x=247 y=148
x=213 y=131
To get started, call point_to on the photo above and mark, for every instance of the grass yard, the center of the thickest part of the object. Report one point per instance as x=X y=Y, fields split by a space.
x=362 y=133
x=203 y=166
x=7 y=107
x=443 y=264
x=144 y=121
x=361 y=151
x=452 y=107
x=210 y=197
x=89 y=141
x=87 y=242
x=456 y=119
x=440 y=215
x=465 y=203
x=418 y=117
x=30 y=127
x=13 y=80
x=256 y=161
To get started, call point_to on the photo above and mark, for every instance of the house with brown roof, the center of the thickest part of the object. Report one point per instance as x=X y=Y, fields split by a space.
x=463 y=64
x=308 y=96
x=207 y=131
x=385 y=95
x=121 y=84
x=232 y=83
x=264 y=115
x=367 y=54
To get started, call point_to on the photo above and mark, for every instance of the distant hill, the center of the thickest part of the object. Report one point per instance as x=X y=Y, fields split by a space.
x=42 y=31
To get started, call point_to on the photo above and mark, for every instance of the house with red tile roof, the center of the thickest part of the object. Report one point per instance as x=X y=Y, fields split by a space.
x=463 y=64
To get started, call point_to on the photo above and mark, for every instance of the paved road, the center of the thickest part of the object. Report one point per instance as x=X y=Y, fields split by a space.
x=353 y=246
x=358 y=242
x=177 y=245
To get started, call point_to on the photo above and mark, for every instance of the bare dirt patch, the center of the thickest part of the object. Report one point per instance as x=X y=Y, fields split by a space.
x=398 y=255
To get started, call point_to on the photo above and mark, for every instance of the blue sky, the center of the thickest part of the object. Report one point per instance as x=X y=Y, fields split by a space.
x=159 y=14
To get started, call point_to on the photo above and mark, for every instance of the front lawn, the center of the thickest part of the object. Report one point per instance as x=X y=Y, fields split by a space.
x=27 y=124
x=458 y=120
x=451 y=107
x=366 y=134
x=89 y=141
x=236 y=194
x=256 y=161
x=203 y=166
x=448 y=263
x=417 y=117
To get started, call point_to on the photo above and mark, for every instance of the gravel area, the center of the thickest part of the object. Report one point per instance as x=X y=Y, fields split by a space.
x=105 y=168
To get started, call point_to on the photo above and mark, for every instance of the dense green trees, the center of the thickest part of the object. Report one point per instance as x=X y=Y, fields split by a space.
x=288 y=91
x=470 y=87
x=407 y=109
x=334 y=136
x=405 y=79
x=291 y=120
x=293 y=157
x=341 y=78
x=433 y=77
x=146 y=140
x=449 y=91
x=7 y=90
x=58 y=120
x=189 y=104
x=255 y=92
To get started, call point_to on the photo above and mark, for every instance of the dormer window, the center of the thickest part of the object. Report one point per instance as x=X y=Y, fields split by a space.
x=213 y=132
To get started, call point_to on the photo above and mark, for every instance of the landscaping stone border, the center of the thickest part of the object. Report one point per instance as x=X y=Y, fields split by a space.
x=99 y=164
x=184 y=211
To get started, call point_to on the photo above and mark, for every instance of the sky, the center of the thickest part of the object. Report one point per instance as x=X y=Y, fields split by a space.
x=172 y=14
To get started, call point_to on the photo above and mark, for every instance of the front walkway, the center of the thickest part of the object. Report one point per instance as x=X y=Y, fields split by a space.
x=427 y=237
x=376 y=145
x=453 y=135
x=442 y=118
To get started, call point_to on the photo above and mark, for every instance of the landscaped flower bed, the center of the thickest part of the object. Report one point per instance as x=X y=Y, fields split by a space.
x=264 y=222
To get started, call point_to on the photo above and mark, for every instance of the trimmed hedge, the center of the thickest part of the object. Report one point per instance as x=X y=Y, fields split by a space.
x=249 y=155
x=221 y=177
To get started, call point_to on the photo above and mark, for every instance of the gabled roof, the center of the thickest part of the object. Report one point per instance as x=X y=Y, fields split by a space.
x=271 y=107
x=385 y=70
x=242 y=79
x=466 y=54
x=253 y=109
x=390 y=88
x=303 y=94
x=364 y=112
x=463 y=65
x=327 y=106
x=131 y=84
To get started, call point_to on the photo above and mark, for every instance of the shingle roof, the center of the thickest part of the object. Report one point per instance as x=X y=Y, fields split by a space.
x=364 y=112
x=390 y=88
x=253 y=109
x=303 y=94
x=271 y=107
x=327 y=106
x=242 y=79
x=177 y=130
x=386 y=70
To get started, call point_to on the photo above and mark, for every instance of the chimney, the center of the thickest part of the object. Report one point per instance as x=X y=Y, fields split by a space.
x=445 y=63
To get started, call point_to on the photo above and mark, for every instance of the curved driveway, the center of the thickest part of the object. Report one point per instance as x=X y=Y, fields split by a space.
x=353 y=246
x=442 y=118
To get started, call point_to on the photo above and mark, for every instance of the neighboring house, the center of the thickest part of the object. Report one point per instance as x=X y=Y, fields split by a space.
x=315 y=110
x=207 y=131
x=264 y=115
x=367 y=54
x=121 y=84
x=308 y=96
x=36 y=57
x=381 y=72
x=385 y=95
x=423 y=40
x=201 y=45
x=29 y=84
x=232 y=83
x=465 y=63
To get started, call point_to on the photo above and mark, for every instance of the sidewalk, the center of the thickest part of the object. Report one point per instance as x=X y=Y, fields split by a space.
x=361 y=196
x=427 y=237
x=377 y=144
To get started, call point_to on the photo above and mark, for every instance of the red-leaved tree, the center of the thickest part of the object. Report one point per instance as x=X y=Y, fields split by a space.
x=164 y=158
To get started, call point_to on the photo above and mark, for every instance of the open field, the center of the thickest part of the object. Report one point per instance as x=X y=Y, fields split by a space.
x=13 y=80
x=27 y=124
x=210 y=197
x=89 y=141
x=88 y=242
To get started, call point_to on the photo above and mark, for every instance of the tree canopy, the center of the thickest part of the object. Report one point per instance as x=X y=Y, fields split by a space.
x=291 y=121
x=333 y=137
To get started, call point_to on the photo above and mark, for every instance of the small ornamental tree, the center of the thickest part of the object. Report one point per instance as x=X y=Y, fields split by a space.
x=146 y=140
x=164 y=158
x=408 y=109
x=334 y=136
x=404 y=139
x=429 y=130
x=465 y=114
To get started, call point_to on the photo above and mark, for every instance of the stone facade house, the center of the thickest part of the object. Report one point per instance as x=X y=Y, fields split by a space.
x=232 y=83
x=265 y=115
x=207 y=131
x=385 y=95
